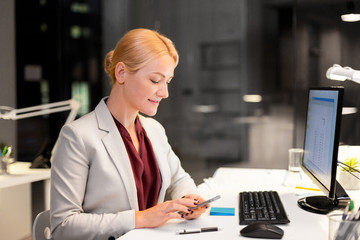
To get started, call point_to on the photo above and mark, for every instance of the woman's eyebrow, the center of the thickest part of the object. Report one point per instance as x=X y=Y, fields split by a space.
x=162 y=75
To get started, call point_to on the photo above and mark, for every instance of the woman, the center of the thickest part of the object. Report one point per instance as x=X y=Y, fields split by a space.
x=112 y=168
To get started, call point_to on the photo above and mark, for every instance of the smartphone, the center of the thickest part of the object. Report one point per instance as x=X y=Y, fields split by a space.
x=205 y=202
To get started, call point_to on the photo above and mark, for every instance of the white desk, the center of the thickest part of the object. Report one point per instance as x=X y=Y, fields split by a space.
x=16 y=199
x=228 y=182
x=21 y=173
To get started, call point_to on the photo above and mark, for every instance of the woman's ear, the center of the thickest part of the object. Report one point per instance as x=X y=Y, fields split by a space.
x=120 y=72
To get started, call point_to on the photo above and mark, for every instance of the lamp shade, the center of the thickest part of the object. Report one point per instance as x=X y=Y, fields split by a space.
x=336 y=72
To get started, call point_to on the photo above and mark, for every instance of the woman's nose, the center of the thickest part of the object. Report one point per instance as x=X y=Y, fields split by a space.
x=163 y=91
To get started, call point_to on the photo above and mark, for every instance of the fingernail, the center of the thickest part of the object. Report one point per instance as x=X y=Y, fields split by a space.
x=192 y=212
x=187 y=214
x=182 y=215
x=189 y=210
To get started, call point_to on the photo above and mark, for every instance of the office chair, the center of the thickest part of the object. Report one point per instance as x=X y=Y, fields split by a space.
x=41 y=226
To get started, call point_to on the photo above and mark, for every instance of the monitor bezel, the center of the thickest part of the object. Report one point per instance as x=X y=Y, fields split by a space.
x=330 y=193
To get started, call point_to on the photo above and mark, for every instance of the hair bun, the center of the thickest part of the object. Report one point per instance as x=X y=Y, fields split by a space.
x=108 y=61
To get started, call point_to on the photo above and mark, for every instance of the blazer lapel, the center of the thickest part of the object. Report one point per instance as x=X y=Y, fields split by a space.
x=117 y=151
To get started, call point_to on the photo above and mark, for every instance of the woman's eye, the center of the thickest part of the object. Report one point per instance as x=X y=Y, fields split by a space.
x=154 y=81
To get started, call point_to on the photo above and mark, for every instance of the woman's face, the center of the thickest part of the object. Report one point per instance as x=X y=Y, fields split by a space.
x=145 y=88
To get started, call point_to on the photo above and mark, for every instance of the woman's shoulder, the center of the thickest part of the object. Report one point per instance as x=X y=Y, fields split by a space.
x=82 y=124
x=91 y=119
x=88 y=117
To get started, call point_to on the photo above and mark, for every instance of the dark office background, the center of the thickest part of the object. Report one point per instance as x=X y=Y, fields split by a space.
x=228 y=49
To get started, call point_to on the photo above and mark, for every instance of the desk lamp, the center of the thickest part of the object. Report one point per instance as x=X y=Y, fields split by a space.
x=336 y=72
x=352 y=14
x=43 y=159
x=15 y=114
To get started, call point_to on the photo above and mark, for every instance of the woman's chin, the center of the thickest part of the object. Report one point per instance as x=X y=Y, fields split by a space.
x=150 y=113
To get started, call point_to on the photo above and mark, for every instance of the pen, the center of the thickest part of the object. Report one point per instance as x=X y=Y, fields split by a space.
x=345 y=212
x=9 y=149
x=357 y=215
x=349 y=226
x=305 y=188
x=199 y=230
x=5 y=150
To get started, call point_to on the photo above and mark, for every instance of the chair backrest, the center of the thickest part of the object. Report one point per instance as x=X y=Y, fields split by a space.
x=41 y=226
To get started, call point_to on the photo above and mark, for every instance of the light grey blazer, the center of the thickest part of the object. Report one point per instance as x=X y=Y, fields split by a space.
x=93 y=192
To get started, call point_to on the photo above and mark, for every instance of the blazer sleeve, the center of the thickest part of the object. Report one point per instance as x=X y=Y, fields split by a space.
x=69 y=172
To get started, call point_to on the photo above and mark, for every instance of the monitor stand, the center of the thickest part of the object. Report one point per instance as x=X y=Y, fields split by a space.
x=323 y=204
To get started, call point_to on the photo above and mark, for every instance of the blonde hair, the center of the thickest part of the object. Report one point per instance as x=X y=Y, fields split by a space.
x=137 y=48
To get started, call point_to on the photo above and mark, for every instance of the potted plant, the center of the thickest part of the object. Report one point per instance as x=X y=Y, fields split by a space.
x=349 y=175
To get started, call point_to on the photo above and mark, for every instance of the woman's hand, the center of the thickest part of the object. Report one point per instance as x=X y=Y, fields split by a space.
x=196 y=212
x=161 y=213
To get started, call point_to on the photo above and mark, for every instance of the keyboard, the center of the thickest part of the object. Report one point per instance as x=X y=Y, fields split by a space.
x=261 y=207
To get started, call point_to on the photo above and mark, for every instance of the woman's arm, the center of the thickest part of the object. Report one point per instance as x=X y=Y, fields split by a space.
x=69 y=174
x=161 y=213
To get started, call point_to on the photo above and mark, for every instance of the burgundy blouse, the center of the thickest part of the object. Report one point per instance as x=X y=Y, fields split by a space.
x=145 y=169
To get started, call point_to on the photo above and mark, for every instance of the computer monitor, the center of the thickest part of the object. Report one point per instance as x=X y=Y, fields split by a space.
x=321 y=149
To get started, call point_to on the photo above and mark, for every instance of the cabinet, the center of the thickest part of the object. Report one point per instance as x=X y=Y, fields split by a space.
x=20 y=201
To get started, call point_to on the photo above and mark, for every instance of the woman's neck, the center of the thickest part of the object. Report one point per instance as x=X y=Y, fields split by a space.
x=118 y=108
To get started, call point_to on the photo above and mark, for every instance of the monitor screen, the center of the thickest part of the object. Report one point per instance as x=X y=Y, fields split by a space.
x=321 y=145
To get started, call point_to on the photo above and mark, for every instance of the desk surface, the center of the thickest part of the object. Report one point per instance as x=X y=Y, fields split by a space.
x=228 y=182
x=21 y=173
